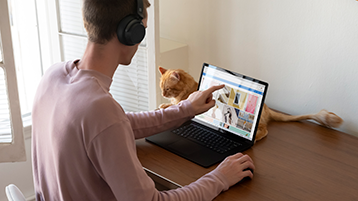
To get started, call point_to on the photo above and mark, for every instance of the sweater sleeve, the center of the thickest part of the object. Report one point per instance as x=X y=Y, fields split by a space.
x=113 y=154
x=148 y=123
x=205 y=188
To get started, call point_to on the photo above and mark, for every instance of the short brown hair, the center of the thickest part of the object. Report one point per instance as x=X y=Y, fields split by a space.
x=101 y=17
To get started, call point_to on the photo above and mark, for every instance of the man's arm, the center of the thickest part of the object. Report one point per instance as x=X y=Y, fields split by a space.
x=145 y=124
x=113 y=154
x=148 y=123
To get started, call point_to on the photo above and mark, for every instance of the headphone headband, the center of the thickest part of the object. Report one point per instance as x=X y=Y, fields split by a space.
x=140 y=8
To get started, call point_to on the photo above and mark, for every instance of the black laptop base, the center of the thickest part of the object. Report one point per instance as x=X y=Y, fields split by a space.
x=192 y=151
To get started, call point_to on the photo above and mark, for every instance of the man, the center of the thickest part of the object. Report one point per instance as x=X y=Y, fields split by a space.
x=84 y=143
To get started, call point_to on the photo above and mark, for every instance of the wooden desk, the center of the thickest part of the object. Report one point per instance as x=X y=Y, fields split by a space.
x=296 y=161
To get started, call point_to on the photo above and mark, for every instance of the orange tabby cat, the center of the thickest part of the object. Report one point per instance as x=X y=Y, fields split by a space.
x=177 y=85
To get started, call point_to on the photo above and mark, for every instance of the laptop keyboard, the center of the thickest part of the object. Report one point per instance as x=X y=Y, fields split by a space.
x=207 y=138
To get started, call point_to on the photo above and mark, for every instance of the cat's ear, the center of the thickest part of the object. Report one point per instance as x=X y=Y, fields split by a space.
x=162 y=70
x=175 y=76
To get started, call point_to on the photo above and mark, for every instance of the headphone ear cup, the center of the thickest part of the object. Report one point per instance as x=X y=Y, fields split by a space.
x=130 y=30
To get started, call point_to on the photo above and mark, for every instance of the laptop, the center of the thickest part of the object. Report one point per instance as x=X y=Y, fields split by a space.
x=227 y=128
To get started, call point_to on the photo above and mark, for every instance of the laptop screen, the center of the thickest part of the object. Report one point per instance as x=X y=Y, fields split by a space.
x=238 y=105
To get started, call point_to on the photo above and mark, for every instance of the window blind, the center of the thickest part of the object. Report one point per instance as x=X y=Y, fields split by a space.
x=130 y=83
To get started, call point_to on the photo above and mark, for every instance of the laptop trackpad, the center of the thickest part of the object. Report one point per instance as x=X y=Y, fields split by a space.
x=185 y=147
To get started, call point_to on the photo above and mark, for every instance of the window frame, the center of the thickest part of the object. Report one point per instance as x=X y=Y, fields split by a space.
x=14 y=151
x=153 y=53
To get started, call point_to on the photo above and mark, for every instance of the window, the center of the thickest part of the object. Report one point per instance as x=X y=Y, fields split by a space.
x=26 y=46
x=133 y=81
x=11 y=130
x=26 y=55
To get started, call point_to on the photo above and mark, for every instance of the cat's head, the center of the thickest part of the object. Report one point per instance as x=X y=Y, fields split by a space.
x=172 y=82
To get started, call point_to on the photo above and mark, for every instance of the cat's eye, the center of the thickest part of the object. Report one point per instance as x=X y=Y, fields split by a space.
x=167 y=89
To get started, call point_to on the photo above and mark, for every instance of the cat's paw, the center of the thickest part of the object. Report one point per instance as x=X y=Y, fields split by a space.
x=261 y=132
x=329 y=119
x=165 y=105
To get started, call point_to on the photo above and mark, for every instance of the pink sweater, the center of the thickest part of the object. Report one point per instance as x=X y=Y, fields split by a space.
x=84 y=148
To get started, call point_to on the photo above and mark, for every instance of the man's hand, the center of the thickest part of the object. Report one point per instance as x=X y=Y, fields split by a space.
x=235 y=168
x=202 y=101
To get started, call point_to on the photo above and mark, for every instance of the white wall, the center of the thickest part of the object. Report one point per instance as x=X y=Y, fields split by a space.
x=307 y=50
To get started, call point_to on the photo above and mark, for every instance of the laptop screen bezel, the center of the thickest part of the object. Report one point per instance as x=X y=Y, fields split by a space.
x=225 y=132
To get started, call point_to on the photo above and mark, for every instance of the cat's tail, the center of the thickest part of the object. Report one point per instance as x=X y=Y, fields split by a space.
x=324 y=117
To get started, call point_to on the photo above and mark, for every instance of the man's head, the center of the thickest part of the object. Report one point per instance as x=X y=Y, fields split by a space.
x=101 y=17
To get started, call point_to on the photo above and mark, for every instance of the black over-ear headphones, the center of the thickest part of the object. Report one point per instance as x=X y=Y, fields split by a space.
x=130 y=30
